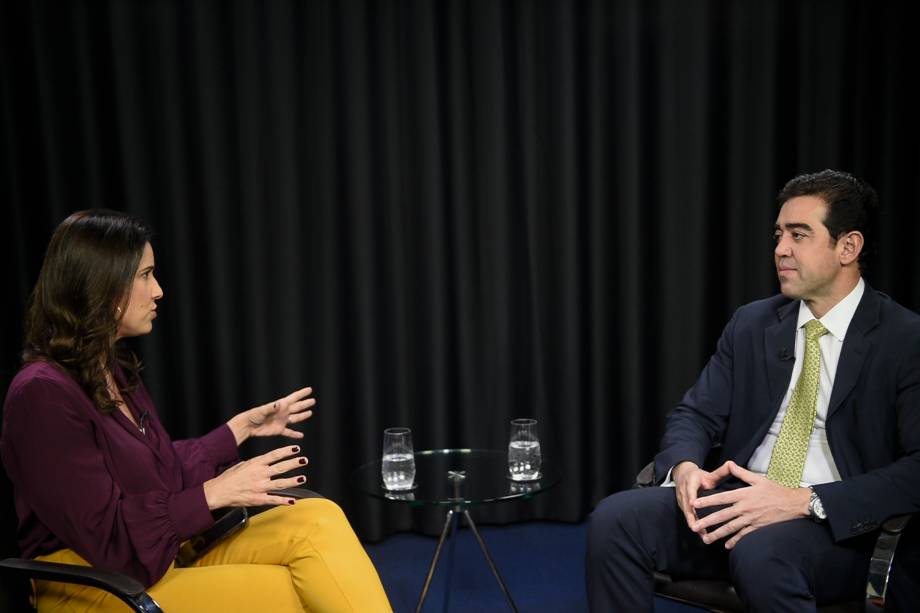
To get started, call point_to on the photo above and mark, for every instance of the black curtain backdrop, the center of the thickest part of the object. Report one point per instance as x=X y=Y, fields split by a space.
x=447 y=214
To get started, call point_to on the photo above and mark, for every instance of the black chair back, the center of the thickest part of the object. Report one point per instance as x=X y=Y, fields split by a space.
x=14 y=591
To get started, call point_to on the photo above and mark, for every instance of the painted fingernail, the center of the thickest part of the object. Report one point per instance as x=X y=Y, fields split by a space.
x=295 y=449
x=301 y=479
x=303 y=460
x=291 y=501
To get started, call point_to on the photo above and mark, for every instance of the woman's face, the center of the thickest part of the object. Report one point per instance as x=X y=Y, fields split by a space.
x=138 y=316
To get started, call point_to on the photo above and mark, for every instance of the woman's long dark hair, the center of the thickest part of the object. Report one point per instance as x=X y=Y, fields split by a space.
x=83 y=288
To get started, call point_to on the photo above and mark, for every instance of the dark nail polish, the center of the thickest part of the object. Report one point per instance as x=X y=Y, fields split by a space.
x=295 y=449
x=303 y=460
x=291 y=501
x=301 y=479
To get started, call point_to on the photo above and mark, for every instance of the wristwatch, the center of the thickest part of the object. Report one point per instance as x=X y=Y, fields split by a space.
x=815 y=508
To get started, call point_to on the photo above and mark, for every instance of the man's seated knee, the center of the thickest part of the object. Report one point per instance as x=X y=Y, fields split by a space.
x=759 y=553
x=631 y=507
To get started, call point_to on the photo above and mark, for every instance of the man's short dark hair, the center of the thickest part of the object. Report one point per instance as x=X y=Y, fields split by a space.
x=852 y=204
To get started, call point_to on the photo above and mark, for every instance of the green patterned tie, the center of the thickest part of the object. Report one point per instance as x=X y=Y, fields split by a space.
x=788 y=460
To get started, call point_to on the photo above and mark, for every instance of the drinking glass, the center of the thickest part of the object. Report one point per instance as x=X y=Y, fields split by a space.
x=398 y=461
x=524 y=450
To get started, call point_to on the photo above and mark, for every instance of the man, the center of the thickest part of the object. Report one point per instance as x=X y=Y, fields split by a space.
x=812 y=401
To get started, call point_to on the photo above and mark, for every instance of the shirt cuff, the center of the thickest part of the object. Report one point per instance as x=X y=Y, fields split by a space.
x=667 y=479
x=189 y=512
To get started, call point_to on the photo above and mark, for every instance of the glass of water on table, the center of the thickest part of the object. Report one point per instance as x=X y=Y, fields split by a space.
x=524 y=457
x=398 y=468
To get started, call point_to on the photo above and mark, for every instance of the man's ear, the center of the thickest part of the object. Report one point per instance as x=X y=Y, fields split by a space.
x=852 y=245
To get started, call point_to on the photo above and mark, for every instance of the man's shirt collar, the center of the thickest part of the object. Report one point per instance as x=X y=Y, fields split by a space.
x=838 y=319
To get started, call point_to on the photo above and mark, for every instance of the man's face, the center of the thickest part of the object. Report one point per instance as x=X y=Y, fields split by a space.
x=807 y=260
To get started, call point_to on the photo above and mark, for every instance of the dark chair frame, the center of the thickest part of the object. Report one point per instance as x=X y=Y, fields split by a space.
x=721 y=596
x=129 y=590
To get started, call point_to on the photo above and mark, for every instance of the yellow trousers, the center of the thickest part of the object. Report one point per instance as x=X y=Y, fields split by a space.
x=301 y=557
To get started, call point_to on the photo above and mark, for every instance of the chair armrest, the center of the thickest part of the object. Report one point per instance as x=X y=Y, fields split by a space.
x=646 y=476
x=881 y=561
x=229 y=523
x=127 y=589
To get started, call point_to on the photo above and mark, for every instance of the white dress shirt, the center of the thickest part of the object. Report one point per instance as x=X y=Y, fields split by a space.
x=819 y=465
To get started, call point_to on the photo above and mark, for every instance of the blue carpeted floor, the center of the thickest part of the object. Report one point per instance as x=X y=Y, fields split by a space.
x=542 y=564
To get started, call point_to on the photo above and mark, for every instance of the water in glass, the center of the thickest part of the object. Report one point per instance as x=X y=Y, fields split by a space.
x=398 y=471
x=524 y=457
x=398 y=467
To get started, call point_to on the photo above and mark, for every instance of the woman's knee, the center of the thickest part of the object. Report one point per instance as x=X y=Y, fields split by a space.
x=319 y=510
x=316 y=516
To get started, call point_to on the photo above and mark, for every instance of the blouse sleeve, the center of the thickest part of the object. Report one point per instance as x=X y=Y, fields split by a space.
x=55 y=453
x=205 y=457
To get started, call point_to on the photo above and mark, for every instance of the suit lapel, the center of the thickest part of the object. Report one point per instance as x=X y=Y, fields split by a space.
x=855 y=349
x=779 y=342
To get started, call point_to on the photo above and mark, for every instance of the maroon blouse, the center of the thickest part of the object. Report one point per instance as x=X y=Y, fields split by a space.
x=122 y=499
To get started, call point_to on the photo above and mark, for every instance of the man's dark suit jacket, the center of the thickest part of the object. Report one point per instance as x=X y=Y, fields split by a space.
x=873 y=420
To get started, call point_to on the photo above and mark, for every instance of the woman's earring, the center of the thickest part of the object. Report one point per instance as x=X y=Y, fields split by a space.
x=117 y=311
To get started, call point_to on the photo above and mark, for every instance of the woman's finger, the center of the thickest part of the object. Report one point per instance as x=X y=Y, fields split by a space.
x=302 y=405
x=276 y=455
x=277 y=500
x=279 y=468
x=297 y=417
x=299 y=394
x=282 y=484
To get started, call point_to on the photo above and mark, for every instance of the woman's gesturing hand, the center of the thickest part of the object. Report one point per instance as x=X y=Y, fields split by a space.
x=247 y=484
x=274 y=418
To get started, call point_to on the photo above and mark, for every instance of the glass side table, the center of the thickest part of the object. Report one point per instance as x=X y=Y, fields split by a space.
x=457 y=479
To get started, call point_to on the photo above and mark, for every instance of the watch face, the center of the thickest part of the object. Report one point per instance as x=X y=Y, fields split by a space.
x=816 y=508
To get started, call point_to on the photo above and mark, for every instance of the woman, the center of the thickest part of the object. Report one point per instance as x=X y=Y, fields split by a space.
x=98 y=481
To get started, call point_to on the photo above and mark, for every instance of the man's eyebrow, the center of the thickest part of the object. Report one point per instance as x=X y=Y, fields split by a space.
x=795 y=226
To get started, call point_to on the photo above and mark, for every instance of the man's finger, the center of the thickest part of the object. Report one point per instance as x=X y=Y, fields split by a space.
x=689 y=495
x=689 y=515
x=716 y=499
x=742 y=473
x=721 y=472
x=721 y=516
x=725 y=530
x=730 y=543
x=681 y=498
